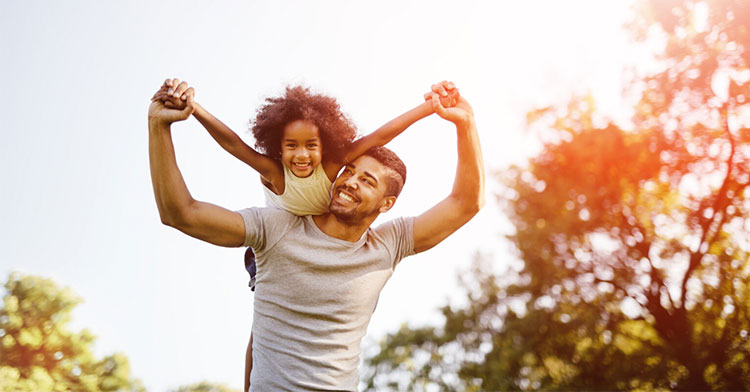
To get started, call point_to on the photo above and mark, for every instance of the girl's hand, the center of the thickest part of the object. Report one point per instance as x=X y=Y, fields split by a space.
x=160 y=113
x=173 y=94
x=447 y=92
x=170 y=104
x=460 y=114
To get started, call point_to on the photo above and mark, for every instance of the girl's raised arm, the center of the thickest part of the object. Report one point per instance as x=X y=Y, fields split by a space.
x=174 y=94
x=268 y=168
x=393 y=128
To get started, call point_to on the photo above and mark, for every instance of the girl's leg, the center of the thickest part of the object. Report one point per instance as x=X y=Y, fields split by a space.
x=248 y=362
x=250 y=266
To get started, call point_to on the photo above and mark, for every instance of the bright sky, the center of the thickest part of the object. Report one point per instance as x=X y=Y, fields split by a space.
x=75 y=82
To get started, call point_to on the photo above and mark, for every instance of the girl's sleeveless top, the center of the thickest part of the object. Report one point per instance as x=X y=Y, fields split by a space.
x=302 y=196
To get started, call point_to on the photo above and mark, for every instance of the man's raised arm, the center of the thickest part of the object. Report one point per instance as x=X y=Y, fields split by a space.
x=467 y=196
x=177 y=208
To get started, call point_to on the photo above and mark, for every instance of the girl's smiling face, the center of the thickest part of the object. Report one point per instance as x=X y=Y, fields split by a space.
x=301 y=148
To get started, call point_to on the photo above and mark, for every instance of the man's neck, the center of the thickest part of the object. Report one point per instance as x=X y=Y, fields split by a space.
x=332 y=226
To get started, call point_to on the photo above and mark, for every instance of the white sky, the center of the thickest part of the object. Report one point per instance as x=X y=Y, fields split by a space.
x=75 y=82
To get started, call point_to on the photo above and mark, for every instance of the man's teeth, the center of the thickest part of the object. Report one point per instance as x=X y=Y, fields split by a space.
x=346 y=197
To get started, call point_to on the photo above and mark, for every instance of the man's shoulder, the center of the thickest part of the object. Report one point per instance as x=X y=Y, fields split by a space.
x=398 y=221
x=270 y=218
x=268 y=212
x=264 y=224
x=400 y=226
x=397 y=235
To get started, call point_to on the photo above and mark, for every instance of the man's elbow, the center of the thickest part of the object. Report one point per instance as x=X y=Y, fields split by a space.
x=168 y=220
x=470 y=206
x=477 y=198
x=174 y=217
x=479 y=204
x=476 y=205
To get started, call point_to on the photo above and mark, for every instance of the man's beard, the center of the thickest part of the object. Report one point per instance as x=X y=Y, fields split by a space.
x=349 y=216
x=346 y=216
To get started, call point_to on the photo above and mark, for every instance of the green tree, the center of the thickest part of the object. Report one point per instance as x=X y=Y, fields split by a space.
x=39 y=353
x=634 y=242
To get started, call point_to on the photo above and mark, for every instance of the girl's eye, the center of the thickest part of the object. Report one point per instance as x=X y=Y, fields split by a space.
x=290 y=146
x=312 y=146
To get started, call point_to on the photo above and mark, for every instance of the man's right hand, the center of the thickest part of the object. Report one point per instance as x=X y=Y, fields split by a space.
x=172 y=103
x=460 y=114
x=163 y=115
x=174 y=93
x=446 y=91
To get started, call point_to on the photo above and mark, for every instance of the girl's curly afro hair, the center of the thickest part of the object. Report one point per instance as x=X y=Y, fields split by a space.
x=336 y=130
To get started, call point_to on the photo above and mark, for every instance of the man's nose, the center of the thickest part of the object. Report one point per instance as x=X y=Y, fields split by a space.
x=351 y=182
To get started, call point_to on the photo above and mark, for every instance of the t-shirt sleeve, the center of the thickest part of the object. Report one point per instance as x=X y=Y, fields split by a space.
x=398 y=236
x=264 y=226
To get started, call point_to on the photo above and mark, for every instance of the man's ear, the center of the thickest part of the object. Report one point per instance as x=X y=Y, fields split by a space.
x=387 y=203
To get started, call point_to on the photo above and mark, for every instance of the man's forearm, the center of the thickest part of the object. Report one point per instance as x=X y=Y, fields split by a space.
x=177 y=208
x=170 y=191
x=468 y=186
x=464 y=201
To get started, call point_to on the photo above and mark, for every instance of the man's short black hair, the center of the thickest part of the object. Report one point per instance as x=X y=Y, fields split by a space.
x=397 y=179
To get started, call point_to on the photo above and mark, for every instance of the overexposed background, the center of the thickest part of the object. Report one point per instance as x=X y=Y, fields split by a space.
x=75 y=82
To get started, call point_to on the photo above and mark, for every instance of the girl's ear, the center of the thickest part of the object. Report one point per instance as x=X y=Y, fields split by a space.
x=387 y=203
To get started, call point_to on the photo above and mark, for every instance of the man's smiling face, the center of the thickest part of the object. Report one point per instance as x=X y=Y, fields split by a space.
x=359 y=191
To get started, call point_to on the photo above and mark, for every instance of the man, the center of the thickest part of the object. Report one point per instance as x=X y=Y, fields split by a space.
x=319 y=277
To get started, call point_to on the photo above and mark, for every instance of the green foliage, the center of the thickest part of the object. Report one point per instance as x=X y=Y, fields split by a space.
x=634 y=242
x=39 y=353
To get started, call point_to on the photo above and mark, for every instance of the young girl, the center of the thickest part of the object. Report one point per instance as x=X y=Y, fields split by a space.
x=304 y=141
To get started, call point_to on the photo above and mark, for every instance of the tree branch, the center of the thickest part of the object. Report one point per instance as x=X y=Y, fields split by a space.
x=697 y=255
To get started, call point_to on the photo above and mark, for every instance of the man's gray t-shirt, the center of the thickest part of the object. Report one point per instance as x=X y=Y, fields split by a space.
x=314 y=297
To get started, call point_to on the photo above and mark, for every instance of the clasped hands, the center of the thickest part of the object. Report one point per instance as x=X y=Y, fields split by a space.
x=174 y=102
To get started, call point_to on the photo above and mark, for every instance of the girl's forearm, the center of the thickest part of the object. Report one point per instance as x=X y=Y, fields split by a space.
x=388 y=131
x=223 y=135
x=233 y=144
x=393 y=128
